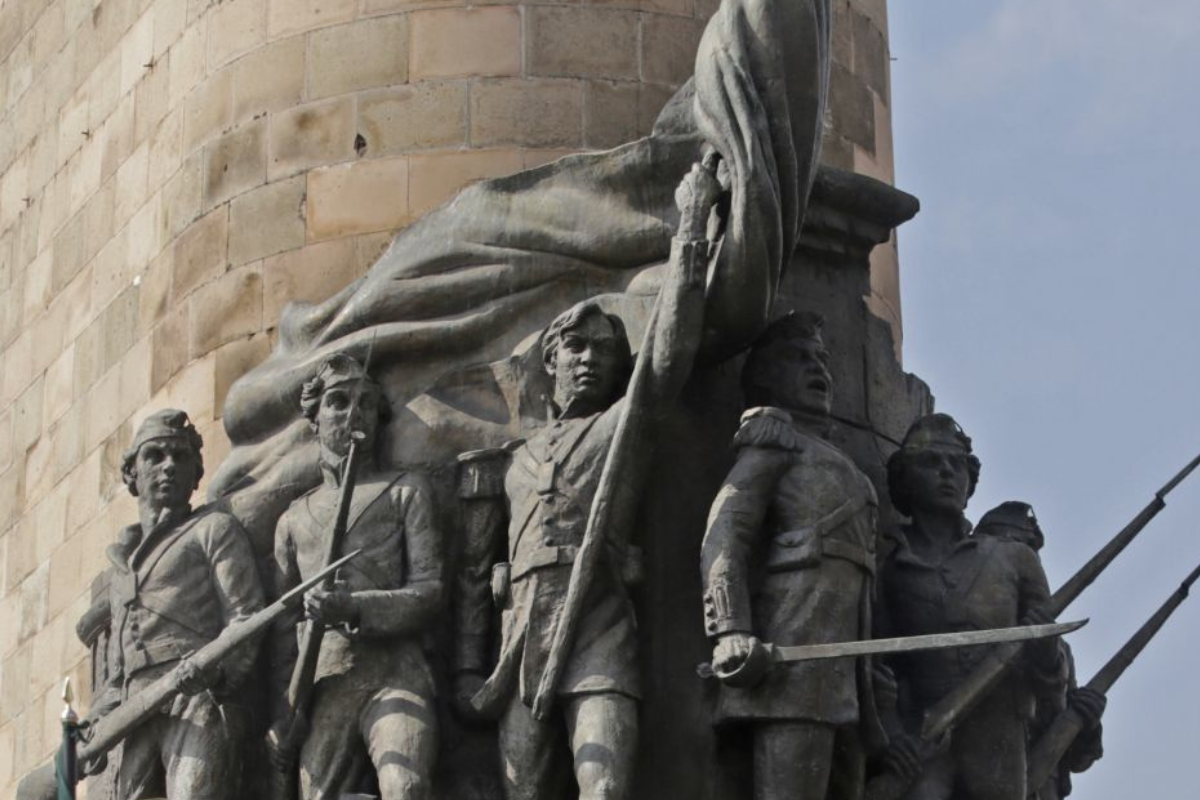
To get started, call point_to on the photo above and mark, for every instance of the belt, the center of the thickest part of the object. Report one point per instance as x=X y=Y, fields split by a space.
x=544 y=557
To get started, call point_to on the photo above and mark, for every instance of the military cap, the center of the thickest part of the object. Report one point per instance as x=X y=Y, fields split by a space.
x=167 y=423
x=341 y=368
x=1016 y=515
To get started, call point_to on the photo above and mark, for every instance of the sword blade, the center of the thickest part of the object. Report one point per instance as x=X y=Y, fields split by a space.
x=933 y=641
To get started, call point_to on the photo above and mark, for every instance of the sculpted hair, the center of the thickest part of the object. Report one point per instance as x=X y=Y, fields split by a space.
x=897 y=466
x=129 y=460
x=575 y=316
x=758 y=371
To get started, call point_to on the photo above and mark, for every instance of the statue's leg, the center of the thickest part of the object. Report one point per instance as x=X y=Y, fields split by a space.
x=991 y=754
x=400 y=729
x=604 y=738
x=532 y=754
x=792 y=760
x=333 y=759
x=202 y=747
x=848 y=774
x=141 y=773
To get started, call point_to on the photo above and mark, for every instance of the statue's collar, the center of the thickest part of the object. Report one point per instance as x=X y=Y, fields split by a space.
x=332 y=471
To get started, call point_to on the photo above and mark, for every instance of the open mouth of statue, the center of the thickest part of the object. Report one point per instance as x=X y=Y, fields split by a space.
x=818 y=384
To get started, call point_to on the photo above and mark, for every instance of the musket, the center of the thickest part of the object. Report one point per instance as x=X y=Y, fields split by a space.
x=289 y=728
x=1052 y=745
x=958 y=702
x=106 y=732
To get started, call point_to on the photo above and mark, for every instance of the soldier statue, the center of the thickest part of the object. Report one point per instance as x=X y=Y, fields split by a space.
x=935 y=577
x=789 y=558
x=1015 y=521
x=549 y=490
x=373 y=700
x=179 y=578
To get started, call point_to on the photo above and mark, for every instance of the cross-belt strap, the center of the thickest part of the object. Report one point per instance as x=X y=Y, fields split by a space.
x=812 y=541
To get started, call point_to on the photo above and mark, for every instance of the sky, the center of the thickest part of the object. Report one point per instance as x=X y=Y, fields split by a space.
x=1051 y=299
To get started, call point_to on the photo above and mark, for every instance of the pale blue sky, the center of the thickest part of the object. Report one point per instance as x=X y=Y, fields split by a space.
x=1051 y=292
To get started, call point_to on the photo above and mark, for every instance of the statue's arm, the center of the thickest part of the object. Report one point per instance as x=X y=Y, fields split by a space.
x=414 y=606
x=1048 y=668
x=238 y=586
x=679 y=325
x=734 y=531
x=285 y=648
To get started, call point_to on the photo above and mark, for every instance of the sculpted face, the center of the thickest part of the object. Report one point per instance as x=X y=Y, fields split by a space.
x=804 y=382
x=586 y=364
x=339 y=415
x=939 y=481
x=167 y=472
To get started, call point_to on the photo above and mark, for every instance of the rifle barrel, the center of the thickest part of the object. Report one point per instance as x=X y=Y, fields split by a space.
x=113 y=727
x=1052 y=745
x=942 y=716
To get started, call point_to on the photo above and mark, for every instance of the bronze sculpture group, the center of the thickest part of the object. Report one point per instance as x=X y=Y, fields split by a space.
x=384 y=638
x=793 y=555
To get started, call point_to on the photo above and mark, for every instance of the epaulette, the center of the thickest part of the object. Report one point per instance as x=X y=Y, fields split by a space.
x=768 y=427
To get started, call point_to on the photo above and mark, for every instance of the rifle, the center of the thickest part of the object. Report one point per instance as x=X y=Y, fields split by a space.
x=958 y=702
x=286 y=738
x=1054 y=741
x=108 y=731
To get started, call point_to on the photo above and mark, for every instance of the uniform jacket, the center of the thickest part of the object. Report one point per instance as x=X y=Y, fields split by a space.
x=985 y=582
x=789 y=557
x=175 y=589
x=549 y=487
x=396 y=582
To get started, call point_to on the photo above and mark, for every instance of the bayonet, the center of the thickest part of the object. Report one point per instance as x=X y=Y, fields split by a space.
x=955 y=704
x=1053 y=743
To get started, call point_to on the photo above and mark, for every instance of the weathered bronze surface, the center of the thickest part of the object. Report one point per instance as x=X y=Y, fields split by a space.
x=560 y=359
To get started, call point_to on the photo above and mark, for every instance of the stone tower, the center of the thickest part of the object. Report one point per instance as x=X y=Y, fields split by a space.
x=173 y=171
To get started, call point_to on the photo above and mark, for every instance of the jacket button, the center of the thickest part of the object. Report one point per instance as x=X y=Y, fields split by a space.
x=550 y=522
x=548 y=541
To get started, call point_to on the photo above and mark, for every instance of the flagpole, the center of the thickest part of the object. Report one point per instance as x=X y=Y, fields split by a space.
x=66 y=764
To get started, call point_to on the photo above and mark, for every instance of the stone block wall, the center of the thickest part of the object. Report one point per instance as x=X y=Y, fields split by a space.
x=172 y=172
x=860 y=128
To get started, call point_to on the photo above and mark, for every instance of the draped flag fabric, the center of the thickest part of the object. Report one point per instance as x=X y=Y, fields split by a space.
x=462 y=292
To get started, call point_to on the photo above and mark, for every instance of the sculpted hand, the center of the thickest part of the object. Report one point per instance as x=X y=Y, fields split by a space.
x=466 y=686
x=190 y=679
x=282 y=758
x=887 y=691
x=731 y=652
x=331 y=608
x=903 y=756
x=695 y=197
x=1089 y=704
